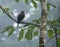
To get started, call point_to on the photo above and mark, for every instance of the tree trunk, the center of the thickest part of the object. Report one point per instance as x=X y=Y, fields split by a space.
x=43 y=23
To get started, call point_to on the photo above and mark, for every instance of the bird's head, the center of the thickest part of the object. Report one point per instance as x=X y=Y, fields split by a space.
x=22 y=11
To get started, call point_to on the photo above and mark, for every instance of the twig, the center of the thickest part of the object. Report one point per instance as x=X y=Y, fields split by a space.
x=7 y=13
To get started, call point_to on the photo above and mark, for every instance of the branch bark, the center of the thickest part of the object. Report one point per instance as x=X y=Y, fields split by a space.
x=55 y=30
x=8 y=14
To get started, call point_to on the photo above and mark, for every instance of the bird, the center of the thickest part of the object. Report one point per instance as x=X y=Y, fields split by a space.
x=20 y=17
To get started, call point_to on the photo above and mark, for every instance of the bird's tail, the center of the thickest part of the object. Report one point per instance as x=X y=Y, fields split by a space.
x=17 y=25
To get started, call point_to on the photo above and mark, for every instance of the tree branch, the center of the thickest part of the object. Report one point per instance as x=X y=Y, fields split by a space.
x=8 y=14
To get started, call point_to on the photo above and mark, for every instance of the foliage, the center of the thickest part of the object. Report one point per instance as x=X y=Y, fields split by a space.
x=50 y=34
x=6 y=9
x=34 y=3
x=58 y=31
x=26 y=1
x=48 y=6
x=21 y=34
x=17 y=1
x=9 y=29
x=28 y=35
x=58 y=42
x=35 y=33
x=54 y=25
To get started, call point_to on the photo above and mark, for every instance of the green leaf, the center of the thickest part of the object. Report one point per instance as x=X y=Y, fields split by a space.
x=58 y=42
x=48 y=7
x=58 y=31
x=51 y=22
x=6 y=9
x=35 y=33
x=28 y=35
x=6 y=29
x=39 y=0
x=50 y=34
x=11 y=30
x=26 y=25
x=31 y=28
x=26 y=1
x=37 y=21
x=58 y=20
x=51 y=5
x=34 y=3
x=21 y=34
x=17 y=0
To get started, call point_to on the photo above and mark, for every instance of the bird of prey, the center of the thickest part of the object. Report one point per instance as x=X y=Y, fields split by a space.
x=20 y=17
